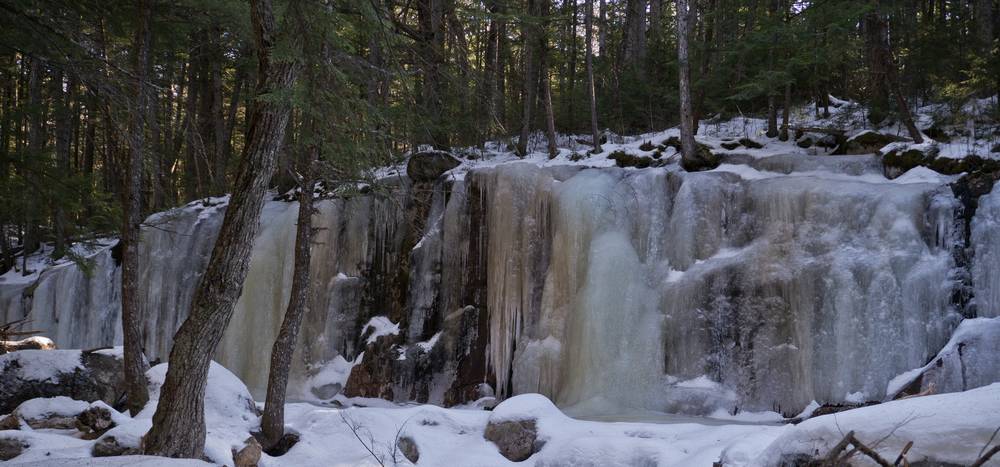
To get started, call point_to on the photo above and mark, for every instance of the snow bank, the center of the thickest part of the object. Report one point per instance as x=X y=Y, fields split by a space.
x=944 y=428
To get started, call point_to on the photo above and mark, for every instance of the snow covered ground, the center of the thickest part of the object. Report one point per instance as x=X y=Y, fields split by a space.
x=946 y=428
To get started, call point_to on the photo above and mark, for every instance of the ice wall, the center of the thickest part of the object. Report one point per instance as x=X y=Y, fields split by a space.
x=986 y=254
x=759 y=287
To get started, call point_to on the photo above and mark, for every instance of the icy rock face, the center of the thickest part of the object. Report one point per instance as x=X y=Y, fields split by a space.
x=986 y=259
x=75 y=307
x=648 y=289
x=776 y=288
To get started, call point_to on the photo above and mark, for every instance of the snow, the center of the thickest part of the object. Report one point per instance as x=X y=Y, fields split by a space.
x=380 y=326
x=42 y=365
x=331 y=374
x=946 y=428
x=48 y=407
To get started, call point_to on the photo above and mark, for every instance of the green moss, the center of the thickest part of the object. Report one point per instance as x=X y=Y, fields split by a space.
x=751 y=144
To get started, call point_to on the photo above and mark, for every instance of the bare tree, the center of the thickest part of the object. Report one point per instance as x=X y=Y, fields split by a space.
x=179 y=422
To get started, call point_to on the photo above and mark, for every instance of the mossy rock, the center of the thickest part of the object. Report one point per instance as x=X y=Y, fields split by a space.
x=730 y=145
x=750 y=144
x=705 y=160
x=868 y=142
x=647 y=146
x=673 y=142
x=624 y=159
x=576 y=157
x=658 y=153
x=805 y=143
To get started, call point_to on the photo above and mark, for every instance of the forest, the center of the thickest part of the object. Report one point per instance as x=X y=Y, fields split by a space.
x=756 y=211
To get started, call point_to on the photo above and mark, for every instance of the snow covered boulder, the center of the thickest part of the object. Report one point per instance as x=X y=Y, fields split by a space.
x=83 y=376
x=48 y=412
x=514 y=425
x=230 y=412
x=944 y=429
x=427 y=166
x=968 y=361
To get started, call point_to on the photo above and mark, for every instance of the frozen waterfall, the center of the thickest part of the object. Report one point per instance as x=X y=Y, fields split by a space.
x=759 y=287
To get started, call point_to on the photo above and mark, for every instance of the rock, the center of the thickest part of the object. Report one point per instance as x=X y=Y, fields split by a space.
x=408 y=447
x=11 y=448
x=967 y=362
x=83 y=376
x=515 y=438
x=705 y=159
x=249 y=456
x=995 y=148
x=513 y=425
x=10 y=422
x=647 y=146
x=108 y=446
x=624 y=159
x=57 y=413
x=750 y=144
x=730 y=145
x=427 y=166
x=31 y=343
x=828 y=142
x=866 y=142
x=804 y=143
x=95 y=421
x=327 y=391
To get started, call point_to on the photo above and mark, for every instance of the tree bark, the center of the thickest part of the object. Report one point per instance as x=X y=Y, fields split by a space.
x=132 y=312
x=272 y=422
x=688 y=146
x=530 y=77
x=179 y=422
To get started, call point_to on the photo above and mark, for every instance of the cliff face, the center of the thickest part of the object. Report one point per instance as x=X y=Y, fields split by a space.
x=603 y=288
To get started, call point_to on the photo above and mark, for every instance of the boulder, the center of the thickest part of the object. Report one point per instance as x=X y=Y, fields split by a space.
x=750 y=144
x=805 y=142
x=95 y=421
x=83 y=376
x=704 y=159
x=514 y=425
x=11 y=447
x=109 y=445
x=624 y=159
x=866 y=142
x=408 y=447
x=249 y=455
x=730 y=145
x=514 y=438
x=427 y=166
x=57 y=413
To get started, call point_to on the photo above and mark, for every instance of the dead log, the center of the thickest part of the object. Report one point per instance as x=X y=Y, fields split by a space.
x=31 y=343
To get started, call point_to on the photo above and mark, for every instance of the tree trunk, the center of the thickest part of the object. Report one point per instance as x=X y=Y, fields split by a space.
x=591 y=94
x=179 y=422
x=786 y=111
x=132 y=310
x=64 y=137
x=878 y=30
x=272 y=422
x=690 y=158
x=544 y=80
x=530 y=77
